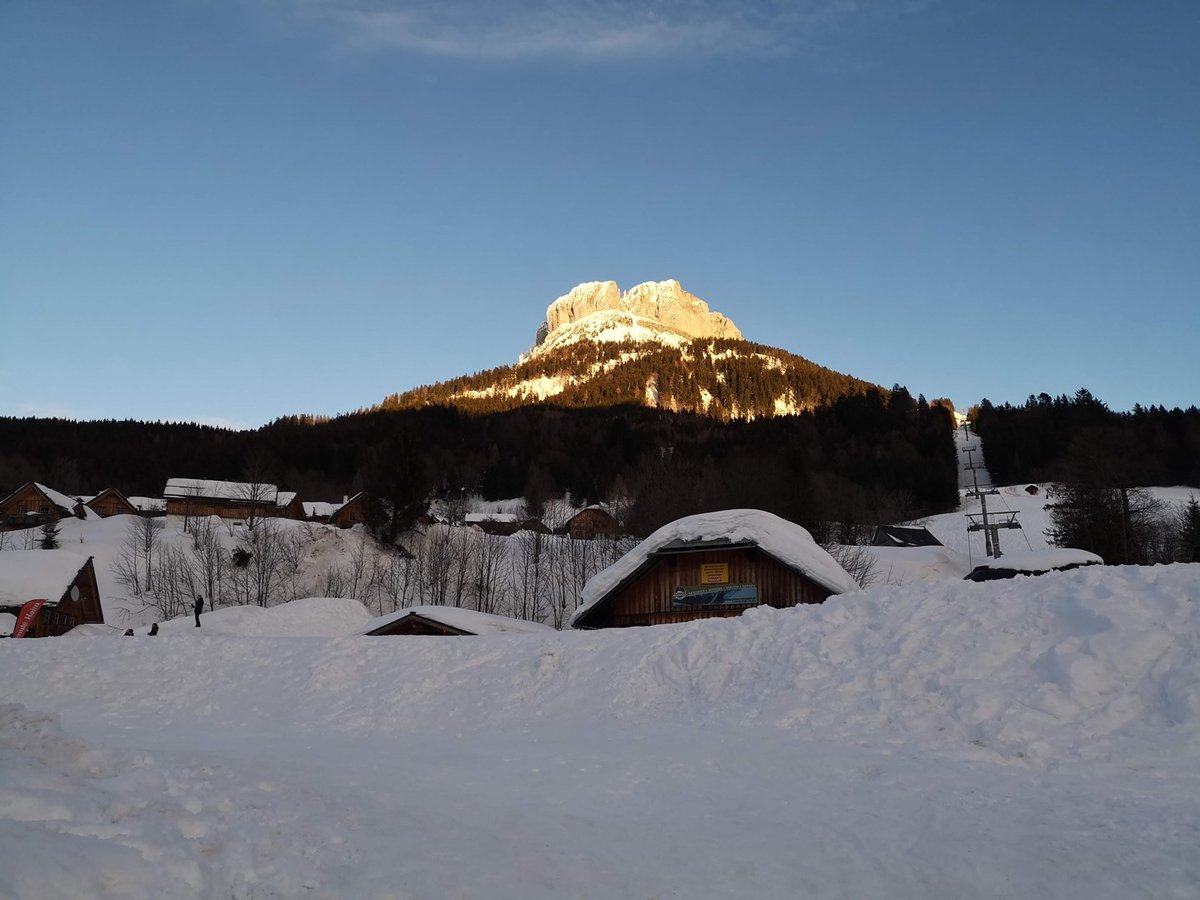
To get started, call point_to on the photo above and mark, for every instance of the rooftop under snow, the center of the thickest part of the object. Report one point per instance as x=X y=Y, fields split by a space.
x=185 y=488
x=37 y=574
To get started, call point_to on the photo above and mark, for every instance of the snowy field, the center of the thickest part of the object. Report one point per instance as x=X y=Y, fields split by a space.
x=1033 y=738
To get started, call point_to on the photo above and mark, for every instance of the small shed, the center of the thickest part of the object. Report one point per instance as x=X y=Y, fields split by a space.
x=903 y=536
x=449 y=621
x=35 y=504
x=111 y=502
x=712 y=565
x=592 y=522
x=65 y=580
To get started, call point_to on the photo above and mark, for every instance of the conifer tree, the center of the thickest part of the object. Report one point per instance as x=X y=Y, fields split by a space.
x=49 y=540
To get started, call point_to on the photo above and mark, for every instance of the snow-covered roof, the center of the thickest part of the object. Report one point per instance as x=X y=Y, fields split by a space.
x=32 y=574
x=183 y=488
x=786 y=541
x=345 y=503
x=59 y=499
x=148 y=504
x=319 y=508
x=1043 y=560
x=283 y=498
x=460 y=619
x=475 y=517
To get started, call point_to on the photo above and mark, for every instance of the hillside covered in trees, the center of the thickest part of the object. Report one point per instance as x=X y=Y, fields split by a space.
x=1048 y=438
x=723 y=378
x=867 y=457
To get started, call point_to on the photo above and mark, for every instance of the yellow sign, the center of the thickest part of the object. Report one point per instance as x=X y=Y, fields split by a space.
x=714 y=573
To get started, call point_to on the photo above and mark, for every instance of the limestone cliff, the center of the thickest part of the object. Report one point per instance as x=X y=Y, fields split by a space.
x=662 y=303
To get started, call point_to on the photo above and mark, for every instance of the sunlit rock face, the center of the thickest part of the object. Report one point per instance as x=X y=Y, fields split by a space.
x=664 y=303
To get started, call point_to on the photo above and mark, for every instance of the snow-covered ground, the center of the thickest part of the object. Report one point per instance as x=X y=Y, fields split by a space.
x=1032 y=738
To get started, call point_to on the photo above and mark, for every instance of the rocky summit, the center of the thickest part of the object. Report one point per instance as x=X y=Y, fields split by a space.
x=648 y=308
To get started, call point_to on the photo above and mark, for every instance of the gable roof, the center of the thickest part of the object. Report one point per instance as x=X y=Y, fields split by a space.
x=109 y=492
x=243 y=492
x=32 y=574
x=462 y=621
x=786 y=542
x=346 y=503
x=903 y=536
x=57 y=498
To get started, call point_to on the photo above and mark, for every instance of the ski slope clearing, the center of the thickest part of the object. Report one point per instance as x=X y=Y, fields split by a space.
x=1030 y=738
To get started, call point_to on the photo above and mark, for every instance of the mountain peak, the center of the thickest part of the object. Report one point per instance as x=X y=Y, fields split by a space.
x=598 y=310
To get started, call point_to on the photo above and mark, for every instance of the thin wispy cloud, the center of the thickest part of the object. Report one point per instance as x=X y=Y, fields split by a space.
x=580 y=29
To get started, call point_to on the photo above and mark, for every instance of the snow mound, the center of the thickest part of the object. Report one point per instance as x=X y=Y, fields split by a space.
x=1043 y=560
x=1036 y=737
x=309 y=617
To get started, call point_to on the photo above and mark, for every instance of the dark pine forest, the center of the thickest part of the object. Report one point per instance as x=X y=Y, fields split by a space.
x=868 y=456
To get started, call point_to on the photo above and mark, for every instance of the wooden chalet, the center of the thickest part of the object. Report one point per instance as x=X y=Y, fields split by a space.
x=353 y=511
x=449 y=621
x=236 y=501
x=35 y=504
x=65 y=580
x=593 y=522
x=712 y=565
x=903 y=536
x=111 y=502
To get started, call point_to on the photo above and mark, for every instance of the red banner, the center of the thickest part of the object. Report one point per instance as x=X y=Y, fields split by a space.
x=28 y=613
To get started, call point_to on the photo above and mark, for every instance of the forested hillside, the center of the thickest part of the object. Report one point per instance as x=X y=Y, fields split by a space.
x=1050 y=438
x=725 y=379
x=865 y=458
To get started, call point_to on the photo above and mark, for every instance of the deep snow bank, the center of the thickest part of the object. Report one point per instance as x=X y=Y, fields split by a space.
x=1096 y=664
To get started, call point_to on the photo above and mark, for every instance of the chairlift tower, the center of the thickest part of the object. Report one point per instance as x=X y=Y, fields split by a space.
x=981 y=521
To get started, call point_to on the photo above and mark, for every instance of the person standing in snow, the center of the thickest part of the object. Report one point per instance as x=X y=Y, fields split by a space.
x=154 y=629
x=199 y=608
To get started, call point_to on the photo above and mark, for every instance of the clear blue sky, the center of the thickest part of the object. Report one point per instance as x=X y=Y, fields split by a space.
x=231 y=210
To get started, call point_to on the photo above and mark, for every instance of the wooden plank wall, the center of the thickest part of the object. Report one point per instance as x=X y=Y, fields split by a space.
x=648 y=600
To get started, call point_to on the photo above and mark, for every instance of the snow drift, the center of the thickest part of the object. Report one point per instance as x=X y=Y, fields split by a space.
x=1036 y=737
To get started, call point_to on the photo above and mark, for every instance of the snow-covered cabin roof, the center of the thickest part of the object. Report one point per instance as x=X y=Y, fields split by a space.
x=148 y=504
x=62 y=501
x=467 y=621
x=184 y=488
x=283 y=498
x=32 y=574
x=476 y=517
x=904 y=536
x=313 y=508
x=786 y=541
x=345 y=503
